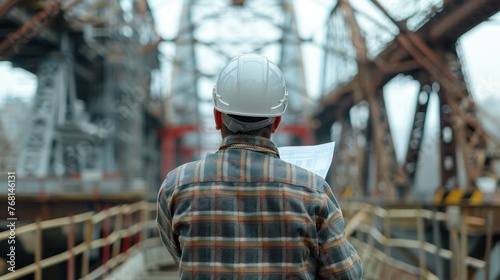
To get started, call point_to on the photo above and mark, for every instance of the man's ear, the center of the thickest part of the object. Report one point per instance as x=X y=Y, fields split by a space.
x=276 y=123
x=218 y=119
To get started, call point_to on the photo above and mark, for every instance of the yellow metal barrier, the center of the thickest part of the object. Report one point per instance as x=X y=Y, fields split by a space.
x=369 y=228
x=118 y=226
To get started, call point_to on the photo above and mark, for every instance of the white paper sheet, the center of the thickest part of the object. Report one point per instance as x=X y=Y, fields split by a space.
x=316 y=158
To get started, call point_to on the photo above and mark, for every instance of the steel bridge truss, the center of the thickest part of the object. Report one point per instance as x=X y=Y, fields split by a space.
x=418 y=41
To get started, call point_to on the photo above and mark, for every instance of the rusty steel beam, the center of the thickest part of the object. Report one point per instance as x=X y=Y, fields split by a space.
x=457 y=21
x=366 y=89
x=358 y=39
x=409 y=167
x=343 y=182
x=454 y=92
x=393 y=54
x=455 y=18
x=398 y=67
x=410 y=52
x=362 y=81
x=471 y=137
x=419 y=49
x=339 y=94
x=30 y=29
x=384 y=146
x=6 y=6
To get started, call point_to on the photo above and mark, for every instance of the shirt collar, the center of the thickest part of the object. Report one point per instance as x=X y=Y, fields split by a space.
x=249 y=140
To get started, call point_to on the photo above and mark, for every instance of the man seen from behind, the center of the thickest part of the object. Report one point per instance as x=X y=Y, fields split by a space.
x=242 y=212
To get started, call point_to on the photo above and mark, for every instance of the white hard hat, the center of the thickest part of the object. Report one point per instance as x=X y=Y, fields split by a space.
x=251 y=85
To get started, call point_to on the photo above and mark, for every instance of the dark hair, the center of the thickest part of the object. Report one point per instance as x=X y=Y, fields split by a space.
x=264 y=132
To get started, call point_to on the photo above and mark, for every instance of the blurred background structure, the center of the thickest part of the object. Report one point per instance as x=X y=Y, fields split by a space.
x=99 y=99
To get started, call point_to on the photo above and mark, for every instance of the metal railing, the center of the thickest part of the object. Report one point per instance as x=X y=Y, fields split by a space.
x=373 y=230
x=123 y=228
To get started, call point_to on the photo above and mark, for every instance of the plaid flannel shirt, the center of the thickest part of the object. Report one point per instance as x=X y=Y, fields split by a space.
x=246 y=214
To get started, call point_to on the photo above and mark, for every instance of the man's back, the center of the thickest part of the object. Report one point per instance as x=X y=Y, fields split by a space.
x=245 y=214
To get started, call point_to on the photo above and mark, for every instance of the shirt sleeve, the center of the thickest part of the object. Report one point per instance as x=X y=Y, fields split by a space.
x=164 y=223
x=337 y=257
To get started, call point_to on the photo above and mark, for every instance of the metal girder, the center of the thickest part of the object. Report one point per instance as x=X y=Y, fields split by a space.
x=367 y=89
x=448 y=147
x=386 y=165
x=32 y=26
x=394 y=56
x=238 y=2
x=408 y=169
x=291 y=65
x=411 y=53
x=349 y=158
x=364 y=86
x=185 y=77
x=28 y=30
x=471 y=137
x=455 y=92
x=459 y=17
x=6 y=5
x=357 y=38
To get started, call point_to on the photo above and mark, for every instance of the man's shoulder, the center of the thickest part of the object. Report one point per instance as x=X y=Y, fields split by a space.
x=301 y=177
x=182 y=174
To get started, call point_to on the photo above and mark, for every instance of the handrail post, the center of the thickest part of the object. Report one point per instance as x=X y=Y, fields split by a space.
x=71 y=244
x=489 y=244
x=453 y=223
x=421 y=241
x=144 y=220
x=117 y=228
x=106 y=250
x=373 y=224
x=38 y=250
x=387 y=234
x=89 y=226
x=128 y=223
x=436 y=236
x=137 y=221
x=463 y=250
